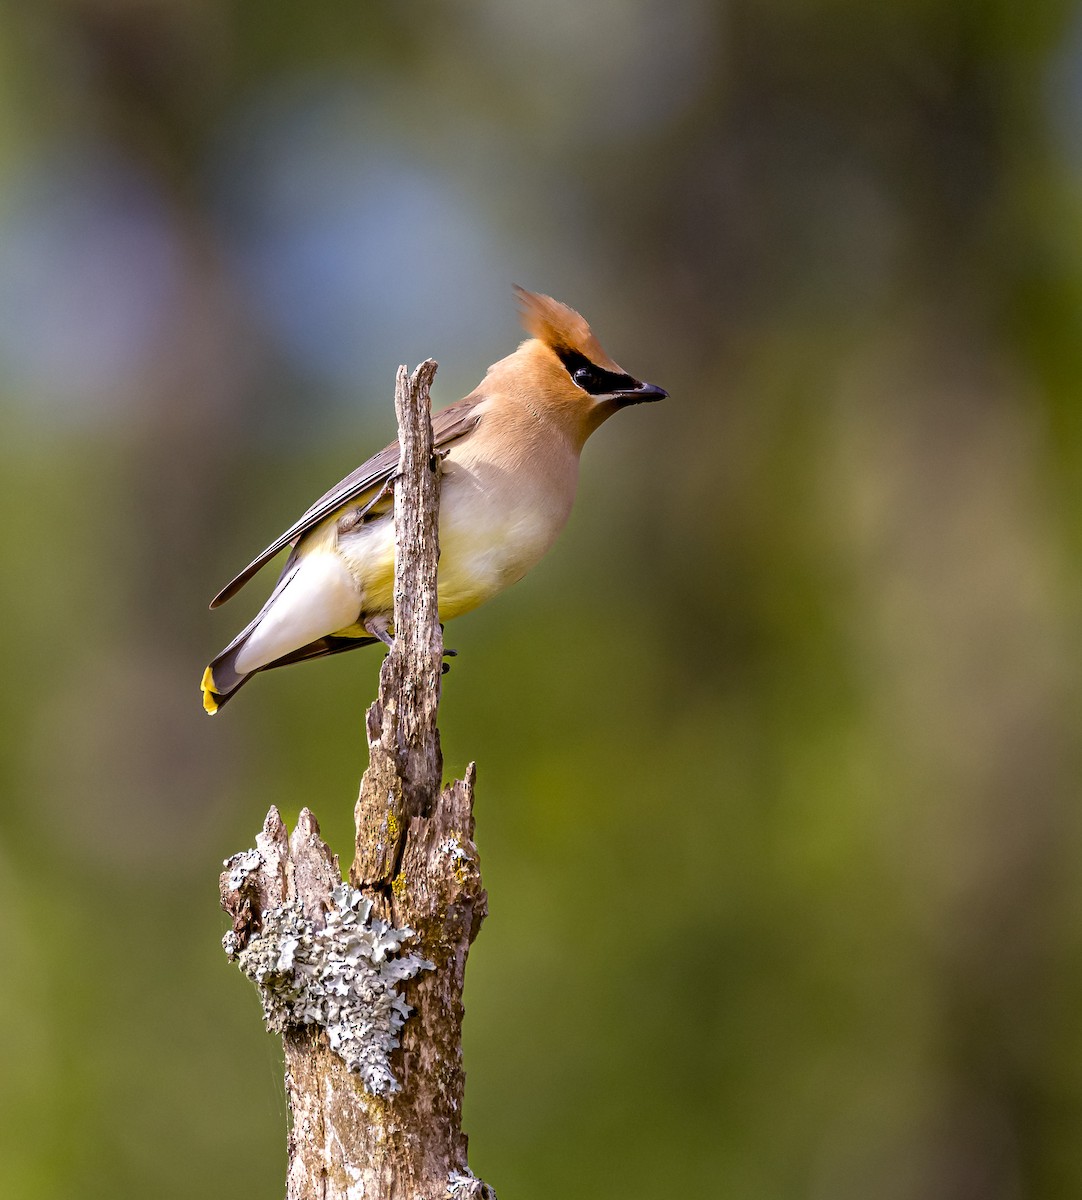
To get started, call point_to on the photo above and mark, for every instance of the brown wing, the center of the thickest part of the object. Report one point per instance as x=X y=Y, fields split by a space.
x=448 y=426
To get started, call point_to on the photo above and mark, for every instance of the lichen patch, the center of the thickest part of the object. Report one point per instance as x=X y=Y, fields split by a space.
x=343 y=978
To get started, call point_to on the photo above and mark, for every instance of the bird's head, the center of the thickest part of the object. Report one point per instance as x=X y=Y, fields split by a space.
x=567 y=365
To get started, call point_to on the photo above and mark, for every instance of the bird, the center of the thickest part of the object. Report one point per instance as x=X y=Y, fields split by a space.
x=510 y=464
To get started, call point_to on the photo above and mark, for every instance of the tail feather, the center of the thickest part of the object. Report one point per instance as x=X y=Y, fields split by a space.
x=221 y=680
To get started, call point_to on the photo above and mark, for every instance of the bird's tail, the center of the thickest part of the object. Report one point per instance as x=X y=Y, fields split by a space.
x=222 y=680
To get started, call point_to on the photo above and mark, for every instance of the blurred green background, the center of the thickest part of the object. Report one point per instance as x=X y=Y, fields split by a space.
x=778 y=751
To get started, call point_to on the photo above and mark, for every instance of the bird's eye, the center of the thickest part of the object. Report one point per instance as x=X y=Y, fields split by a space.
x=593 y=380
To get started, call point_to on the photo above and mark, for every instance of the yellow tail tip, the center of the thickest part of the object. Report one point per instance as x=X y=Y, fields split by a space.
x=210 y=695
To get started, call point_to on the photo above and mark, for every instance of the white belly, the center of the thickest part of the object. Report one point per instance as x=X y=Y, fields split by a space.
x=319 y=598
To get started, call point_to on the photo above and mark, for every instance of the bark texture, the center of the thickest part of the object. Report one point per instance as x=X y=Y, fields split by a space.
x=415 y=884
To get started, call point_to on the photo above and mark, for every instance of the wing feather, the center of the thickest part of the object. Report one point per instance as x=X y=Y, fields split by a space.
x=448 y=426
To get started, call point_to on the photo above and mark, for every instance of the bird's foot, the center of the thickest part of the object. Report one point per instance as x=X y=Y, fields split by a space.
x=379 y=627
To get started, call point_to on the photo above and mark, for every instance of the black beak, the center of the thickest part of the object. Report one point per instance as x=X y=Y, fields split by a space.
x=640 y=393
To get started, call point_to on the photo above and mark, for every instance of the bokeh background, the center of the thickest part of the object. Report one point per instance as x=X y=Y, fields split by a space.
x=778 y=751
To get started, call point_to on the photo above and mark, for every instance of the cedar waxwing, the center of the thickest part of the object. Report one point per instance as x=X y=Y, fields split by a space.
x=510 y=454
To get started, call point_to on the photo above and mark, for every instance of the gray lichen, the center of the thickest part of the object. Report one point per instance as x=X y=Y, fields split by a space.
x=343 y=978
x=241 y=866
x=464 y=1185
x=452 y=847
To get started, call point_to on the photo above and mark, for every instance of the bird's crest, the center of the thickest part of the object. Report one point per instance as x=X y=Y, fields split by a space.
x=559 y=326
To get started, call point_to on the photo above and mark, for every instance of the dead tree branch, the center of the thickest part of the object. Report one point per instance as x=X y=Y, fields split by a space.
x=364 y=979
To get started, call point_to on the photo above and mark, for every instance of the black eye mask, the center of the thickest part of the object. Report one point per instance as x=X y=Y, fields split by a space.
x=593 y=379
